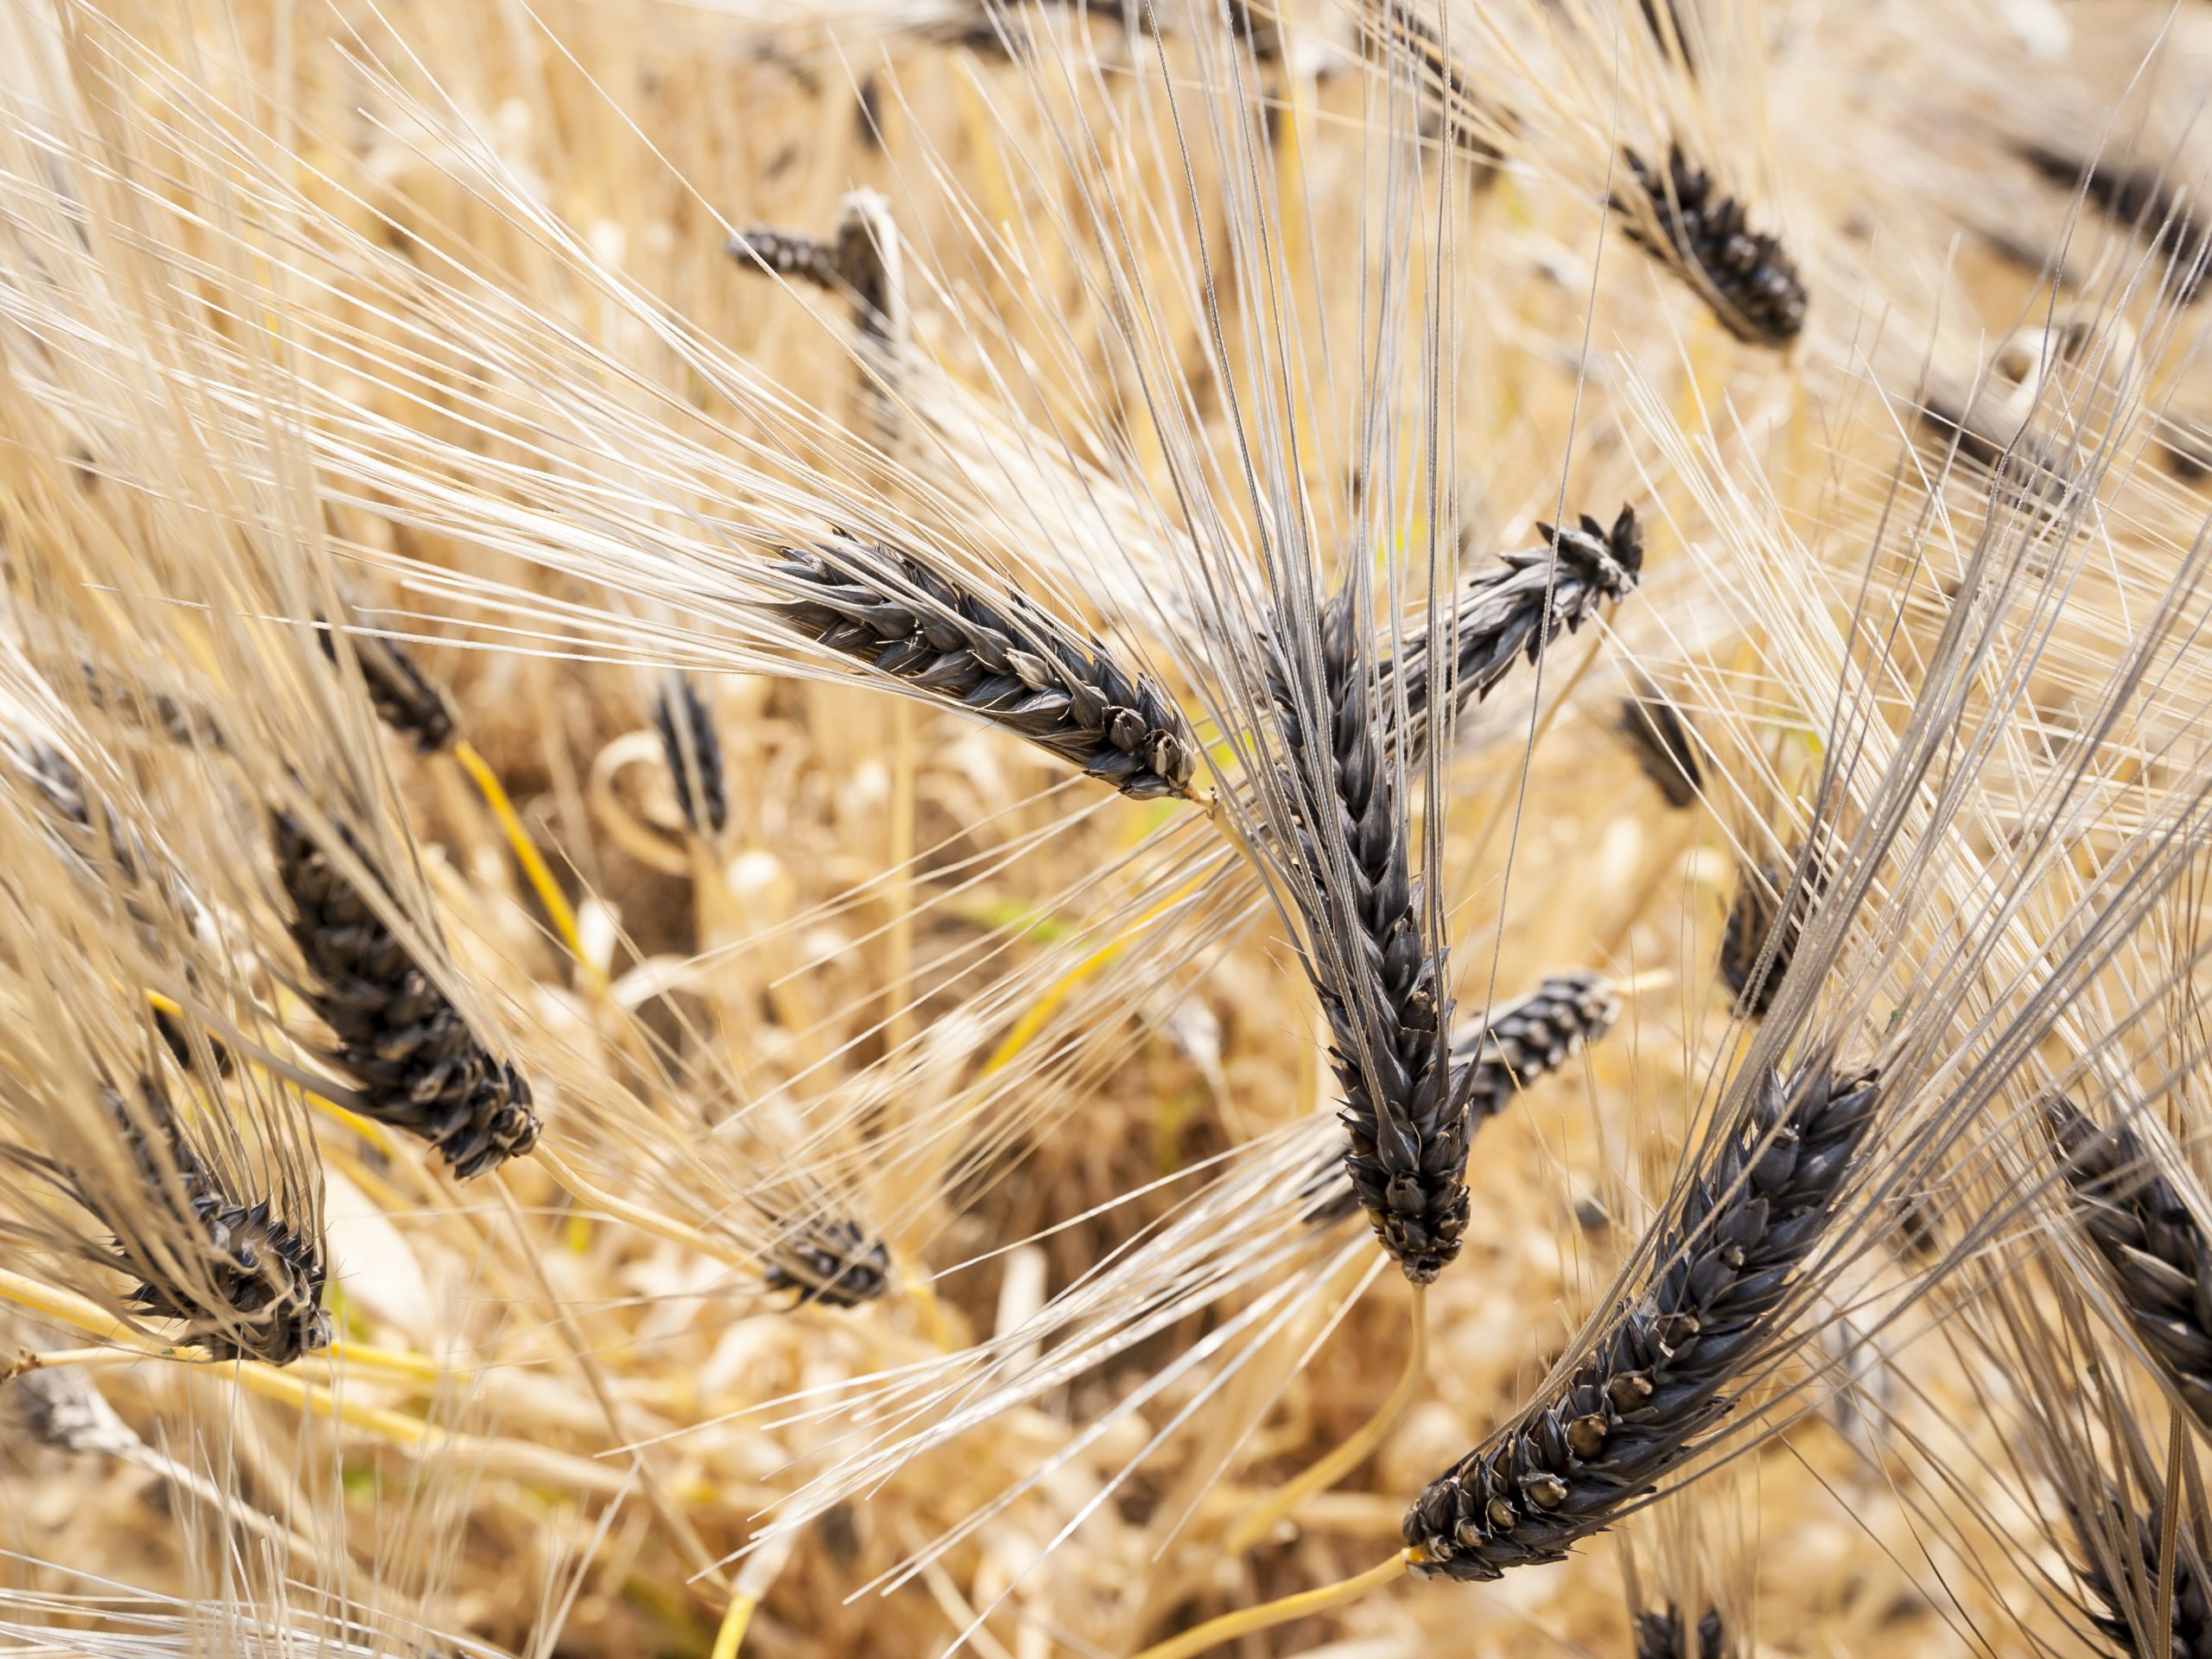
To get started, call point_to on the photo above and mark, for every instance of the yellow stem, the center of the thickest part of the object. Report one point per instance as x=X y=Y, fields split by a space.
x=532 y=861
x=572 y=1181
x=1268 y=1614
x=731 y=1636
x=1327 y=1470
x=1030 y=1024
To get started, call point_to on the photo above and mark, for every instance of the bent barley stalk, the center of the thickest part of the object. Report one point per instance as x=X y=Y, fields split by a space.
x=1653 y=1381
x=1004 y=662
x=2157 y=1255
x=418 y=1065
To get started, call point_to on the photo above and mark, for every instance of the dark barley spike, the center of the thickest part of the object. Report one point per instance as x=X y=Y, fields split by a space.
x=1751 y=284
x=1011 y=665
x=1659 y=732
x=1757 y=942
x=833 y=1264
x=1667 y=1636
x=406 y=699
x=2140 y=199
x=1407 y=1157
x=791 y=255
x=405 y=1046
x=2160 y=1262
x=1503 y=618
x=694 y=748
x=1651 y=1385
x=2108 y=1606
x=268 y=1277
x=1526 y=1040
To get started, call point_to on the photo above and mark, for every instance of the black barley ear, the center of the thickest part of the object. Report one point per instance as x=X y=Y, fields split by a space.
x=694 y=748
x=1757 y=941
x=1512 y=612
x=1682 y=220
x=2159 y=1258
x=406 y=699
x=417 y=1063
x=2141 y=199
x=1651 y=1383
x=1005 y=662
x=1669 y=1635
x=832 y=1263
x=1528 y=1038
x=2110 y=1606
x=1377 y=975
x=266 y=1276
x=1659 y=735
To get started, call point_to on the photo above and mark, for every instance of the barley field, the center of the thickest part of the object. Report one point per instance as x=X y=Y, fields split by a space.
x=1104 y=828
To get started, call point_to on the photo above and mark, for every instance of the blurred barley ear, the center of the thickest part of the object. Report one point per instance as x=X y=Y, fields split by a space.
x=1653 y=1380
x=1669 y=1635
x=833 y=1264
x=694 y=748
x=406 y=698
x=1680 y=216
x=1659 y=734
x=2141 y=199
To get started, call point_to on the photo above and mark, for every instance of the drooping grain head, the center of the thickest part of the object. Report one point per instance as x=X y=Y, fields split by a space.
x=405 y=1046
x=1655 y=1369
x=1006 y=662
x=1681 y=217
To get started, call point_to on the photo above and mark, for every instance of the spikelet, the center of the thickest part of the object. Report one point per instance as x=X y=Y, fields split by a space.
x=1005 y=662
x=694 y=749
x=1681 y=217
x=1656 y=1378
x=417 y=1063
